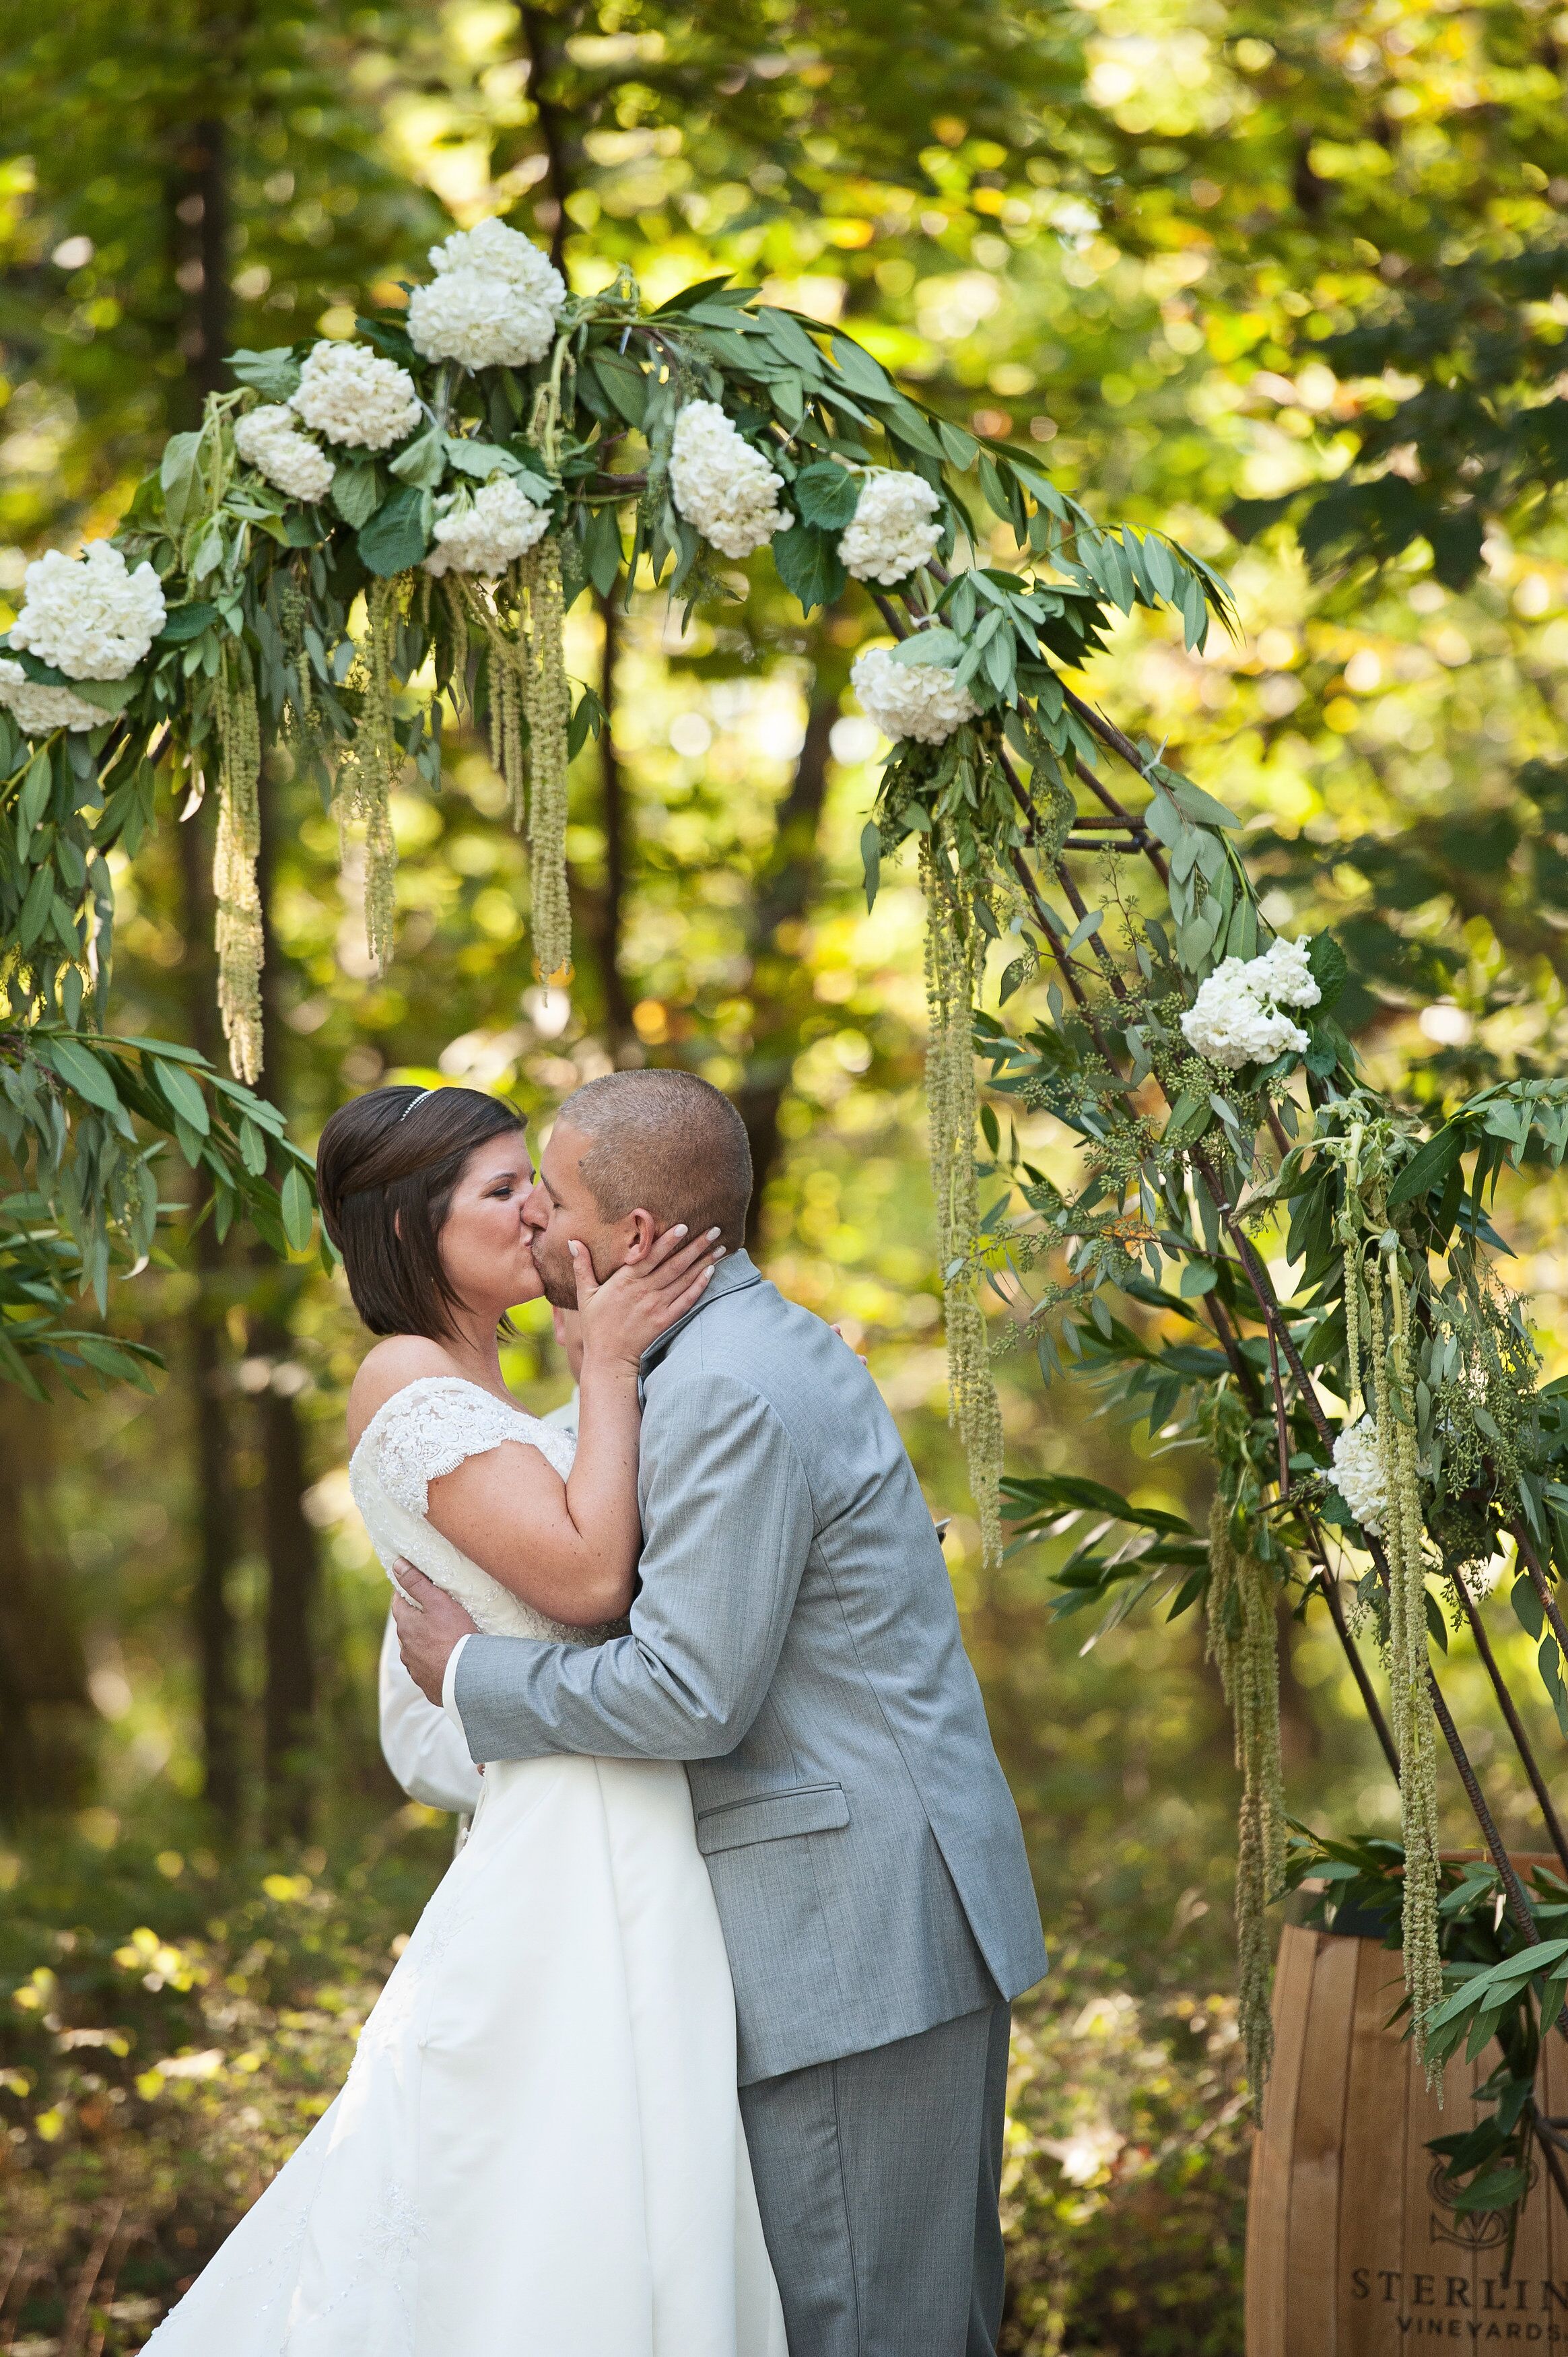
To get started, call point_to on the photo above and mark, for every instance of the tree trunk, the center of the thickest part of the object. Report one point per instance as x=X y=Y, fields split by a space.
x=534 y=25
x=199 y=251
x=605 y=908
x=45 y=1716
x=287 y=1536
x=781 y=897
x=216 y=1517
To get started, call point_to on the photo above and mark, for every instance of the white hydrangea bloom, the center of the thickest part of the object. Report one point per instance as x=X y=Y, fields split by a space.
x=503 y=523
x=40 y=710
x=892 y=531
x=1285 y=974
x=91 y=616
x=266 y=439
x=721 y=484
x=353 y=396
x=1237 y=1017
x=920 y=700
x=494 y=303
x=1359 y=1476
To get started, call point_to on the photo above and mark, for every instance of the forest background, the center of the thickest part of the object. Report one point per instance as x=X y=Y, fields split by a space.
x=1216 y=268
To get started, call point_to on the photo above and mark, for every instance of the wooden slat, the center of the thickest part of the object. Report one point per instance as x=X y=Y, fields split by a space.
x=1552 y=2089
x=1533 y=2243
x=1313 y=2227
x=1267 y=2206
x=1372 y=2186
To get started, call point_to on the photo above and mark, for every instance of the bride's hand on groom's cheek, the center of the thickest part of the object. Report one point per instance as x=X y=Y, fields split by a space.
x=632 y=1307
x=429 y=1623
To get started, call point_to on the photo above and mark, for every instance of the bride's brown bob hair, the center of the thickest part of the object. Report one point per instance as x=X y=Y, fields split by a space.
x=385 y=1169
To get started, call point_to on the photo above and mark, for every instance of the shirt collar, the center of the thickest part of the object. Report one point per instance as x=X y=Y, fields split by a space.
x=731 y=1274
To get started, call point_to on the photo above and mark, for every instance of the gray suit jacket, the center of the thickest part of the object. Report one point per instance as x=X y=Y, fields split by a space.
x=795 y=1643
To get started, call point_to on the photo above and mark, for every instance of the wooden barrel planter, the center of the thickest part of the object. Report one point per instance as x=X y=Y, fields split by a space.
x=1351 y=2250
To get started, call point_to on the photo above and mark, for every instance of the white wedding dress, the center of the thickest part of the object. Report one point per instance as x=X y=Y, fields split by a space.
x=538 y=2151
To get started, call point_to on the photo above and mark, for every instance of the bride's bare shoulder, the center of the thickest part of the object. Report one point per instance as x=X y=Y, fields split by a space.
x=390 y=1365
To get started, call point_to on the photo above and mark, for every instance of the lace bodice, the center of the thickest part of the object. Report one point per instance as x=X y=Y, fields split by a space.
x=427 y=1429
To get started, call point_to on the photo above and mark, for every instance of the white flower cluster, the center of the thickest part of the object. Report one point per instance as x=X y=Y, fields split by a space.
x=1359 y=1476
x=353 y=396
x=40 y=710
x=494 y=304
x=91 y=618
x=920 y=700
x=892 y=531
x=721 y=484
x=1236 y=1019
x=503 y=523
x=266 y=439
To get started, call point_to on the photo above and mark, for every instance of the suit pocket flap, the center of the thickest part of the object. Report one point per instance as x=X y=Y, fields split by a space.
x=813 y=1809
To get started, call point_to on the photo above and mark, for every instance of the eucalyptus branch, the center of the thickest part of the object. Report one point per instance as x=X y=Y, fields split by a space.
x=1541 y=1585
x=1505 y=1705
x=1328 y=1588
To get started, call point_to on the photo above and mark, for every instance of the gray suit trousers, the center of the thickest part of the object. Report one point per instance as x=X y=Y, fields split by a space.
x=878 y=2176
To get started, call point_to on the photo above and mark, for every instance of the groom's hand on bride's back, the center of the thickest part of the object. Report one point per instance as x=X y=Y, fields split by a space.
x=429 y=1623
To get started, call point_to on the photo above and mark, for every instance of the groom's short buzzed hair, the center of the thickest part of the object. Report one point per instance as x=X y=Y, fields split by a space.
x=664 y=1142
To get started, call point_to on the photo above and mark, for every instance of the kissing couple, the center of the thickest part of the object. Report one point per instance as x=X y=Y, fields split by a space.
x=741 y=1823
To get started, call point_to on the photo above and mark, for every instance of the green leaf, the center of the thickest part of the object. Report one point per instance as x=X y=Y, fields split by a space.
x=423 y=461
x=808 y=564
x=1200 y=805
x=961 y=447
x=1330 y=968
x=602 y=548
x=395 y=538
x=185 y=622
x=871 y=860
x=482 y=459
x=937 y=645
x=175 y=470
x=184 y=1094
x=1190 y=1116
x=907 y=425
x=84 y=1072
x=357 y=491
x=297 y=1210
x=274 y=374
x=253 y=1148
x=35 y=908
x=1429 y=1166
x=827 y=495
x=586 y=721
x=33 y=796
x=624 y=381
x=860 y=371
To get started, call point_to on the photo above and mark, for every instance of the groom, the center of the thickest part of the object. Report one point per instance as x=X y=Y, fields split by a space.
x=795 y=1643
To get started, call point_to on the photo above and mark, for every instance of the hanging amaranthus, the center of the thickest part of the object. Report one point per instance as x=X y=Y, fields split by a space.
x=1408 y=1660
x=374 y=763
x=238 y=927
x=1243 y=1645
x=952 y=958
x=530 y=707
x=547 y=706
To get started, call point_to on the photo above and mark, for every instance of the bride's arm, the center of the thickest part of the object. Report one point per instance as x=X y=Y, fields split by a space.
x=570 y=1548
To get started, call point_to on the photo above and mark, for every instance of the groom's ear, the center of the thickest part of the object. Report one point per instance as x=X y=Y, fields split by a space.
x=643 y=1233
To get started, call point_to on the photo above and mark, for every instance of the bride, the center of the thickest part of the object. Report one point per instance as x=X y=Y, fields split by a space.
x=538 y=2150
